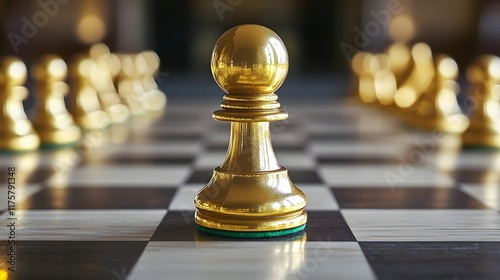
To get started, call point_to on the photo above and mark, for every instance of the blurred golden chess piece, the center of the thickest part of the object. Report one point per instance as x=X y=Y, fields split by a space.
x=364 y=65
x=484 y=77
x=419 y=79
x=148 y=64
x=438 y=108
x=51 y=119
x=384 y=81
x=84 y=103
x=129 y=88
x=101 y=78
x=250 y=195
x=16 y=130
x=400 y=61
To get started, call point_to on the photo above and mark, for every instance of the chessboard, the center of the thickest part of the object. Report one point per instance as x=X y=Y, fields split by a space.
x=385 y=201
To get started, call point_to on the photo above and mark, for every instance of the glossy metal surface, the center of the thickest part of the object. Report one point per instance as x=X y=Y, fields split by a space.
x=249 y=59
x=51 y=119
x=15 y=128
x=250 y=191
x=484 y=77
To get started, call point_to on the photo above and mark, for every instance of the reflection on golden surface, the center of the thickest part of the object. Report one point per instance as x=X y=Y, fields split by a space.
x=284 y=256
x=447 y=153
x=250 y=192
x=63 y=161
x=247 y=59
x=492 y=177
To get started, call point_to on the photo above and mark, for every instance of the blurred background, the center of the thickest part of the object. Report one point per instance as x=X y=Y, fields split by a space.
x=321 y=36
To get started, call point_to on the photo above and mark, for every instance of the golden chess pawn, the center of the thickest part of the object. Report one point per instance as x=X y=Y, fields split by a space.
x=419 y=79
x=250 y=195
x=384 y=81
x=438 y=108
x=364 y=66
x=84 y=103
x=51 y=118
x=400 y=61
x=484 y=77
x=148 y=64
x=16 y=130
x=101 y=78
x=129 y=87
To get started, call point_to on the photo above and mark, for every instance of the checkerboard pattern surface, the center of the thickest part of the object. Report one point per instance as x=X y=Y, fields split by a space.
x=385 y=201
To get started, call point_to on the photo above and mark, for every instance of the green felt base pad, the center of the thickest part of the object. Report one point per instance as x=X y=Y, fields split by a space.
x=251 y=234
x=53 y=146
x=480 y=148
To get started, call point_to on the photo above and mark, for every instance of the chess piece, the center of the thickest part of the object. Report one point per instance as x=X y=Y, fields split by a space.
x=129 y=88
x=384 y=80
x=101 y=78
x=84 y=103
x=419 y=78
x=400 y=61
x=484 y=77
x=148 y=64
x=364 y=66
x=16 y=131
x=438 y=108
x=51 y=119
x=250 y=195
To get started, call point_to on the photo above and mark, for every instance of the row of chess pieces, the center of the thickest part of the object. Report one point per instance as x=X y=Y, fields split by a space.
x=421 y=88
x=105 y=89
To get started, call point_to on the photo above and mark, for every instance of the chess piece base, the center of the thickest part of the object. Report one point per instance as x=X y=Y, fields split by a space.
x=51 y=137
x=23 y=143
x=255 y=234
x=471 y=139
x=451 y=124
x=250 y=202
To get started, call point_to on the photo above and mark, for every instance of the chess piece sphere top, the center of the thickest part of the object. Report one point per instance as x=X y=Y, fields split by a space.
x=82 y=66
x=13 y=71
x=98 y=50
x=364 y=63
x=148 y=62
x=446 y=67
x=249 y=59
x=50 y=68
x=485 y=68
